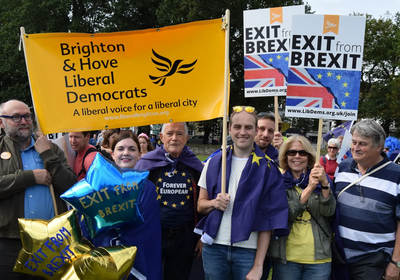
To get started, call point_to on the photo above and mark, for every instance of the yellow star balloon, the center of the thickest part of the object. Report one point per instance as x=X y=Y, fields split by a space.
x=50 y=247
x=111 y=263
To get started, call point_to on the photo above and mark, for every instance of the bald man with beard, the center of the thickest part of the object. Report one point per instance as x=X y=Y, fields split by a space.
x=28 y=166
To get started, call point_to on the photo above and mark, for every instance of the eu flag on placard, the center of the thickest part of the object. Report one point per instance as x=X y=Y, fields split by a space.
x=339 y=130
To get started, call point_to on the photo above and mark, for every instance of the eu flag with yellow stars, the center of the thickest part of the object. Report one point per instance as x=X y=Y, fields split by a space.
x=339 y=130
x=344 y=85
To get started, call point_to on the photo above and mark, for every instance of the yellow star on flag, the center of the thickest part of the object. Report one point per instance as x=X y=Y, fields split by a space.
x=188 y=196
x=188 y=180
x=279 y=57
x=338 y=77
x=175 y=172
x=190 y=188
x=166 y=173
x=256 y=159
x=158 y=197
x=159 y=180
x=174 y=205
x=287 y=58
x=182 y=203
x=329 y=74
x=270 y=60
x=165 y=203
x=183 y=174
x=346 y=94
x=343 y=104
x=319 y=76
x=157 y=188
x=345 y=84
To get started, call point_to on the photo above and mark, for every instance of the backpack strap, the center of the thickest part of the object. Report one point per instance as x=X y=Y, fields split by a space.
x=83 y=170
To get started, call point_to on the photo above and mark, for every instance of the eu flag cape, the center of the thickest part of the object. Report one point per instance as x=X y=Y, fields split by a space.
x=260 y=202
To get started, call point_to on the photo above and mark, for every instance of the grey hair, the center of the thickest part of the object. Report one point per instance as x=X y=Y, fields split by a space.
x=334 y=141
x=369 y=128
x=184 y=125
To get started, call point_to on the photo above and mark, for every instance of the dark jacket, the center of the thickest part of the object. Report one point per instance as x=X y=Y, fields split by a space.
x=14 y=180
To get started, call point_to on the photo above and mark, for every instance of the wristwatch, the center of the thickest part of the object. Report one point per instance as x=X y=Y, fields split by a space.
x=326 y=187
x=395 y=263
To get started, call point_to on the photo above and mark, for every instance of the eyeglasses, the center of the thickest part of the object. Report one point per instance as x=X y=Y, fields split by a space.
x=239 y=109
x=333 y=148
x=18 y=118
x=292 y=153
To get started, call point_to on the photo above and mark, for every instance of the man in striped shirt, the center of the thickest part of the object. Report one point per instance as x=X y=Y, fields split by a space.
x=369 y=211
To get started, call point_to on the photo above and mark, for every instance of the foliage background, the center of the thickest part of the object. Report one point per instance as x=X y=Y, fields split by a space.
x=379 y=94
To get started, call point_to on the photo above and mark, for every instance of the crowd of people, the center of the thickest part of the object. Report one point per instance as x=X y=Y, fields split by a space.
x=272 y=205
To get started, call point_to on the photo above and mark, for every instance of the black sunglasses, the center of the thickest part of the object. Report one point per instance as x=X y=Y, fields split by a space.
x=333 y=148
x=292 y=153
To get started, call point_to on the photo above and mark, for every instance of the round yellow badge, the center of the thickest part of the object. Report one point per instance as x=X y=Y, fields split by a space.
x=5 y=155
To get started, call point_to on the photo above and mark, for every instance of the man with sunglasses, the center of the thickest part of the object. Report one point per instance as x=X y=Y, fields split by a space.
x=267 y=139
x=237 y=229
x=369 y=209
x=28 y=166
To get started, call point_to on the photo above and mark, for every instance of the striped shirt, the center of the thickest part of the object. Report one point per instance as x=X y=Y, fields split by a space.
x=369 y=210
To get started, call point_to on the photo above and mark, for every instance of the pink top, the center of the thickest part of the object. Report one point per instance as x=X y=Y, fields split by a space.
x=330 y=166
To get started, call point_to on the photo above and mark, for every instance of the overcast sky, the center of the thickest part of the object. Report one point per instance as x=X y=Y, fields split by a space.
x=376 y=8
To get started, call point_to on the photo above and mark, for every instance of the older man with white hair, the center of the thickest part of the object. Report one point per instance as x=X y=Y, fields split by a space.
x=175 y=170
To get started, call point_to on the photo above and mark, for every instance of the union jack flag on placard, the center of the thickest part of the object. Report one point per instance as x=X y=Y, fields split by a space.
x=304 y=91
x=258 y=74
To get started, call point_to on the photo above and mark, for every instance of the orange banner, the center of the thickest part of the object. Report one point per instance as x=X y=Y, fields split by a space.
x=91 y=81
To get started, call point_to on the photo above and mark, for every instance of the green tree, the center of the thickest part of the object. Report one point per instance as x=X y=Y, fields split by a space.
x=380 y=85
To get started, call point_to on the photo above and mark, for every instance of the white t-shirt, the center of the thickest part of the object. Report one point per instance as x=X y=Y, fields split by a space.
x=224 y=233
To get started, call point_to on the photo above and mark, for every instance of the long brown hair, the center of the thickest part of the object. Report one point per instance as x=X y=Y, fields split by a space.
x=107 y=135
x=145 y=137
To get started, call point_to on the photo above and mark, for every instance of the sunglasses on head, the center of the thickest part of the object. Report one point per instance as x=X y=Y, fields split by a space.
x=248 y=109
x=292 y=153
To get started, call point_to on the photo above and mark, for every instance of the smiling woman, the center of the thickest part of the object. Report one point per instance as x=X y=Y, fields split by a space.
x=147 y=235
x=126 y=150
x=306 y=250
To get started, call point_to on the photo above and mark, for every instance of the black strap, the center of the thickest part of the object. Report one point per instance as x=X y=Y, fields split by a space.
x=83 y=170
x=319 y=225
